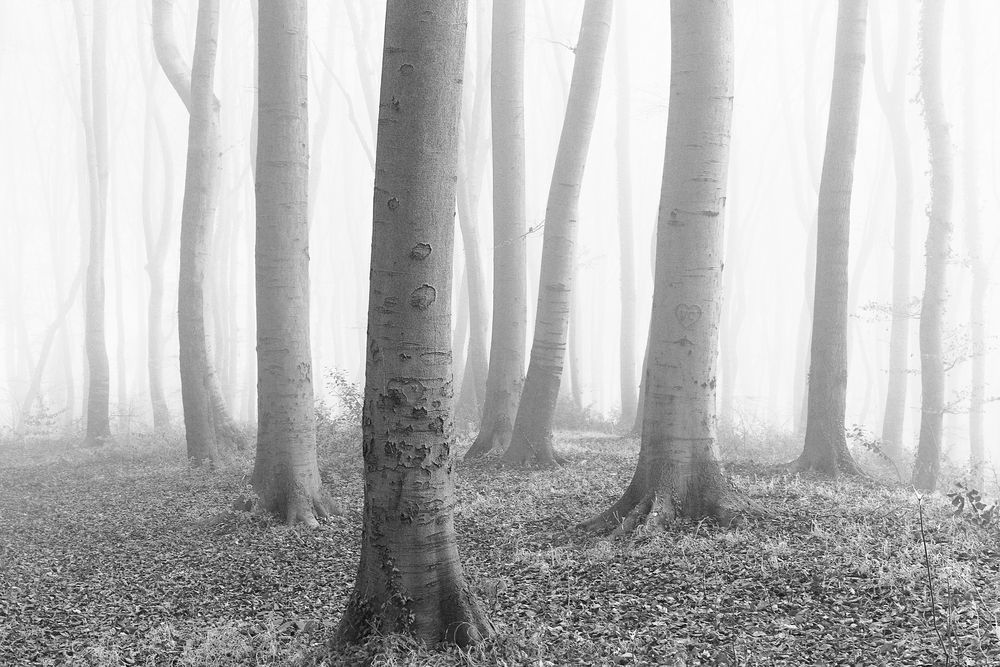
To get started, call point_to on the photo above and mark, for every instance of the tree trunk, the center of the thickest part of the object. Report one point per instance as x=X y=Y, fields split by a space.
x=928 y=462
x=286 y=473
x=626 y=242
x=678 y=474
x=200 y=200
x=977 y=263
x=93 y=98
x=892 y=100
x=410 y=578
x=507 y=343
x=825 y=447
x=532 y=435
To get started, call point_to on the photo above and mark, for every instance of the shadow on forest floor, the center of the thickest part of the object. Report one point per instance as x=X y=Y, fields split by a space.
x=106 y=558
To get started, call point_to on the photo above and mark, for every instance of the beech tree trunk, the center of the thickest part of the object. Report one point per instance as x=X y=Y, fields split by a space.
x=678 y=474
x=936 y=250
x=892 y=100
x=410 y=578
x=629 y=385
x=286 y=473
x=532 y=435
x=825 y=447
x=207 y=422
x=93 y=99
x=510 y=316
x=978 y=265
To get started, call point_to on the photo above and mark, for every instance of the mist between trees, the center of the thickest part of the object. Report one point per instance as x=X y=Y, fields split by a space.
x=301 y=240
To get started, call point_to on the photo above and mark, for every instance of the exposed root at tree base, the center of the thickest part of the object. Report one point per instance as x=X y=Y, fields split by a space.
x=658 y=512
x=832 y=469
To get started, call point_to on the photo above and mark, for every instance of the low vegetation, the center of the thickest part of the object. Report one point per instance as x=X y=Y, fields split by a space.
x=126 y=556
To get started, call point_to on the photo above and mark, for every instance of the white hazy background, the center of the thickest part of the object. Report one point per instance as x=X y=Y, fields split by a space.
x=784 y=59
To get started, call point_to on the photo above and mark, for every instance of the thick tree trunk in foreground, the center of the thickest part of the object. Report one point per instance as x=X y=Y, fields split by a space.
x=410 y=577
x=892 y=100
x=629 y=386
x=510 y=316
x=928 y=462
x=978 y=265
x=94 y=100
x=825 y=447
x=532 y=435
x=678 y=474
x=286 y=473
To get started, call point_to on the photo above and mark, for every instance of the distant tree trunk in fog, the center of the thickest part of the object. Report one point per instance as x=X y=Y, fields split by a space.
x=892 y=100
x=971 y=141
x=473 y=144
x=507 y=343
x=206 y=418
x=626 y=241
x=286 y=473
x=157 y=241
x=678 y=474
x=532 y=435
x=93 y=98
x=410 y=578
x=928 y=462
x=825 y=447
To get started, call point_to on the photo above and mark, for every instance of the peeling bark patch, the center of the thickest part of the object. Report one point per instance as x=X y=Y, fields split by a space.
x=406 y=69
x=422 y=297
x=421 y=251
x=404 y=392
x=687 y=315
x=393 y=204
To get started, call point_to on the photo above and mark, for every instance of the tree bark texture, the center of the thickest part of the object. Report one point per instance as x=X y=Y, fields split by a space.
x=932 y=375
x=286 y=473
x=825 y=447
x=892 y=99
x=410 y=577
x=532 y=435
x=94 y=102
x=678 y=473
x=510 y=316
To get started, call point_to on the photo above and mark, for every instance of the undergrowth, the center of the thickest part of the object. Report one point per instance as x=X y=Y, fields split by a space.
x=108 y=559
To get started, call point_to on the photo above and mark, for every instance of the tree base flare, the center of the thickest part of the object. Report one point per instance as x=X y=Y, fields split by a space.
x=301 y=508
x=835 y=468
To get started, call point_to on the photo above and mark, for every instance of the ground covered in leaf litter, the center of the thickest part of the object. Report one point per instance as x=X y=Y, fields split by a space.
x=125 y=556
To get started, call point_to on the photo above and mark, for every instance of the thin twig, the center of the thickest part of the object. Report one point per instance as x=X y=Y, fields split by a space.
x=930 y=583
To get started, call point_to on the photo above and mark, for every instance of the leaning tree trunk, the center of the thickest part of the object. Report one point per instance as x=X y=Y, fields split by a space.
x=629 y=386
x=932 y=307
x=506 y=369
x=94 y=100
x=892 y=100
x=286 y=473
x=678 y=474
x=532 y=435
x=410 y=577
x=978 y=265
x=825 y=447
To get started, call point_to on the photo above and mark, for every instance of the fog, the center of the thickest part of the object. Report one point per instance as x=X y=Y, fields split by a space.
x=784 y=60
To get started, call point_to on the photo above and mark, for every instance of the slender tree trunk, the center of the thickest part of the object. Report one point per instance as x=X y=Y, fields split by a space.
x=678 y=474
x=626 y=241
x=286 y=472
x=93 y=97
x=532 y=435
x=825 y=447
x=507 y=343
x=932 y=376
x=200 y=200
x=410 y=577
x=892 y=100
x=977 y=263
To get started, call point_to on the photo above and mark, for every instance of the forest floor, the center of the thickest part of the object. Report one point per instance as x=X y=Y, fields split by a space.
x=121 y=557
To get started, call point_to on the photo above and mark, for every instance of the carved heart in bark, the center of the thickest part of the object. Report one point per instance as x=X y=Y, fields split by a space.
x=687 y=315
